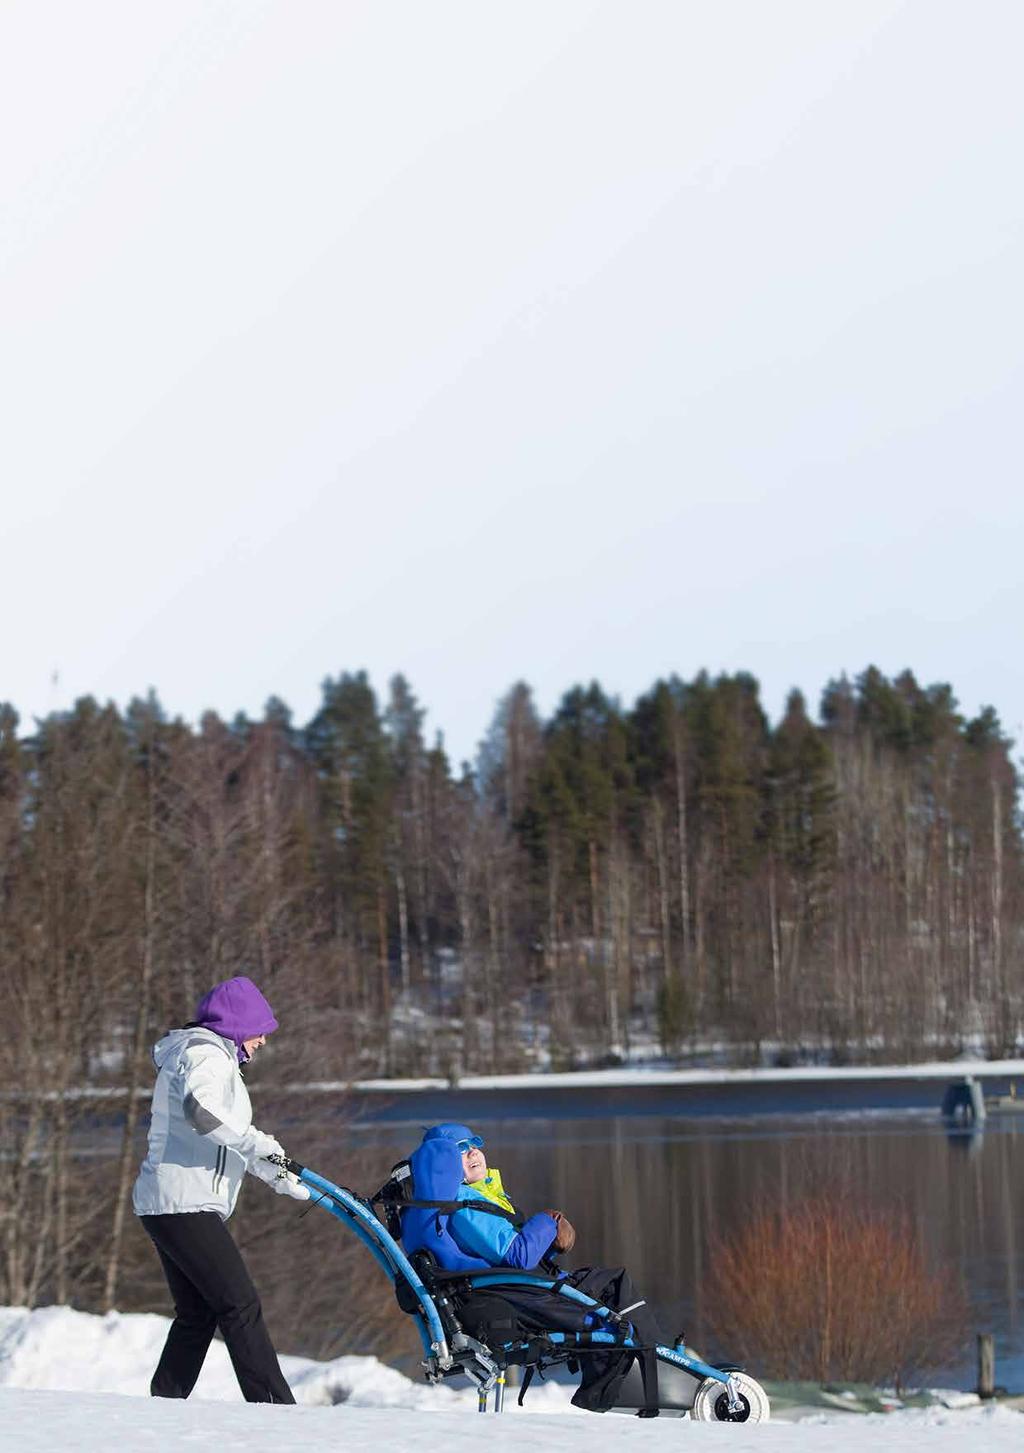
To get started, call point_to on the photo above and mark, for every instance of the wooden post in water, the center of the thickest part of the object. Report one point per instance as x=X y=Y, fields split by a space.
x=986 y=1365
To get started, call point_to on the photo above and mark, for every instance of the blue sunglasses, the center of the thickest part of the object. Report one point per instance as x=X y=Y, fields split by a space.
x=473 y=1143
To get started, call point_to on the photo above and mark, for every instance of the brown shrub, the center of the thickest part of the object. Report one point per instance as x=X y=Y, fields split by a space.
x=829 y=1292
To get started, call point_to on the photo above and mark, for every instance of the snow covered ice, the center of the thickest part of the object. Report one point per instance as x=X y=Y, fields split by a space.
x=69 y=1380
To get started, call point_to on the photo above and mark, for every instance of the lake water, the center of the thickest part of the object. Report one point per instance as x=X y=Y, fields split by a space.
x=645 y=1189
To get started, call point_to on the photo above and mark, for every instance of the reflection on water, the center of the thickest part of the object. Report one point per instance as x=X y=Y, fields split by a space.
x=647 y=1191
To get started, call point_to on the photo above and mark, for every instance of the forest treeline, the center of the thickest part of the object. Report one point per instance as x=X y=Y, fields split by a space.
x=679 y=874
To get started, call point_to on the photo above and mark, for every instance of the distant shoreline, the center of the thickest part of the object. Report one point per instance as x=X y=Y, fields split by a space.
x=638 y=1077
x=692 y=1094
x=636 y=1090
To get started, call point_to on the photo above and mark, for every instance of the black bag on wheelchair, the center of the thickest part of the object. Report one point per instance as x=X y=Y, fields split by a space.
x=525 y=1316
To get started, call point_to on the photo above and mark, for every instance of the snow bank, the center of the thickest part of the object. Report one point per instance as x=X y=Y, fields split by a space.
x=57 y=1349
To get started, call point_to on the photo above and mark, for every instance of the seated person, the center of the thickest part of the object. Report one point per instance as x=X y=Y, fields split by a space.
x=449 y=1166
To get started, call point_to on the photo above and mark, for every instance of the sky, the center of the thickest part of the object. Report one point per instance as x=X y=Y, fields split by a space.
x=499 y=342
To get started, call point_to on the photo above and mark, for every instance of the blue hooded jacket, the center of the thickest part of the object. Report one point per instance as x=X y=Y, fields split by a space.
x=465 y=1240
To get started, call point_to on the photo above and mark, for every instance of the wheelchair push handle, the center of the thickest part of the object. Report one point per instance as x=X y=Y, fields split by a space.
x=286 y=1163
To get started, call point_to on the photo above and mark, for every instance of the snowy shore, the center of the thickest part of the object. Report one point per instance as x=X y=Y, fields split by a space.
x=644 y=1075
x=640 y=1075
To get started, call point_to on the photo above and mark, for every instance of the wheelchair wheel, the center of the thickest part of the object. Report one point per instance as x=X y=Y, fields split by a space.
x=711 y=1405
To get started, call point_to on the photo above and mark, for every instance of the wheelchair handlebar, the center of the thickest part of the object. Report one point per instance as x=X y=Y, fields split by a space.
x=286 y=1163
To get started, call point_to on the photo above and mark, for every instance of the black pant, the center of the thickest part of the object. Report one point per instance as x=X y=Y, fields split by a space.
x=602 y=1375
x=542 y=1311
x=211 y=1288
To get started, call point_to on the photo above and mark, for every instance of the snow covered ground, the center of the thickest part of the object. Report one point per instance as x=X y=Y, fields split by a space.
x=42 y=1422
x=73 y=1381
x=57 y=1349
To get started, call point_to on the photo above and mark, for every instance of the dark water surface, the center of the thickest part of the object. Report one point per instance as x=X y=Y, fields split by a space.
x=645 y=1190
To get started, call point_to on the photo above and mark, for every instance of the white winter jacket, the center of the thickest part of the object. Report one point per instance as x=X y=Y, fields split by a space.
x=201 y=1136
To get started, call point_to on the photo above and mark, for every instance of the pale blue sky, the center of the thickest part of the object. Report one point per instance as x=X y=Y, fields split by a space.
x=483 y=342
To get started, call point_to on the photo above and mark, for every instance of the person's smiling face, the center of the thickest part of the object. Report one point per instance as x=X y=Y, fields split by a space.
x=474 y=1165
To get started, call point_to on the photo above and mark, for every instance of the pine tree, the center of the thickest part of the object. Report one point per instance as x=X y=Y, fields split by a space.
x=347 y=741
x=800 y=827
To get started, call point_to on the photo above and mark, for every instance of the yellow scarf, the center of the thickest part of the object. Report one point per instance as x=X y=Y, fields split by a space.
x=492 y=1190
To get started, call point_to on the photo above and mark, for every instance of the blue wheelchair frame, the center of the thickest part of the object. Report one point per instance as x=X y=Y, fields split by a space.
x=482 y=1365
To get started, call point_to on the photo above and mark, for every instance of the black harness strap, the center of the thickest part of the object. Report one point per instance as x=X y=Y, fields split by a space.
x=448 y=1207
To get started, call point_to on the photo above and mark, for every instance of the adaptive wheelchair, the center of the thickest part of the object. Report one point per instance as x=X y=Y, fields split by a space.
x=451 y=1308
